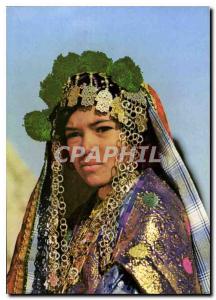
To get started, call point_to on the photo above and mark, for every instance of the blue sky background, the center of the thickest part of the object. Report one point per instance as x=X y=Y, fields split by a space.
x=170 y=44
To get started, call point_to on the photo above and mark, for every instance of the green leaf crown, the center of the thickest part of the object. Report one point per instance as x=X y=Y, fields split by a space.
x=123 y=72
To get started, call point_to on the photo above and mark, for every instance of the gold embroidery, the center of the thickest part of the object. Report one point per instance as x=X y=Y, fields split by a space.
x=19 y=277
x=152 y=232
x=73 y=96
x=104 y=99
x=88 y=95
x=148 y=278
x=141 y=122
x=139 y=251
x=117 y=110
x=170 y=273
x=159 y=247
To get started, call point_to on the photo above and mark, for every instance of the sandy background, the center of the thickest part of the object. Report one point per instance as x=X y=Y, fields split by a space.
x=20 y=183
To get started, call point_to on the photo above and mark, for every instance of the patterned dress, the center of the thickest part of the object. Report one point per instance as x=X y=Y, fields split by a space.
x=153 y=253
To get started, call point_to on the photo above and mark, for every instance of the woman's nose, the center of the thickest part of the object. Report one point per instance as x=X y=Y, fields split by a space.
x=88 y=142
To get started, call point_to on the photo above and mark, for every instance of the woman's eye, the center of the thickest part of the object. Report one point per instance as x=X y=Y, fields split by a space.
x=103 y=129
x=72 y=135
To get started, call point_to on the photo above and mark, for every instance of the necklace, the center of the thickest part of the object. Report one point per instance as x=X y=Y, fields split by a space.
x=103 y=222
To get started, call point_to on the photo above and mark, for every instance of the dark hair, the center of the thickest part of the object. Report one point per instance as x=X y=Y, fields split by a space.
x=99 y=81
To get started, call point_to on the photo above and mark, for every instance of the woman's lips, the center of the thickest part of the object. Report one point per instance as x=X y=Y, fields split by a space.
x=90 y=167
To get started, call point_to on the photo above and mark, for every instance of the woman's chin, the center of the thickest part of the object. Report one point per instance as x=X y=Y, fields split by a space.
x=94 y=180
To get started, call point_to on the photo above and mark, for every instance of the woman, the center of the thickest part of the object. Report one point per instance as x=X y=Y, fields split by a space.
x=130 y=230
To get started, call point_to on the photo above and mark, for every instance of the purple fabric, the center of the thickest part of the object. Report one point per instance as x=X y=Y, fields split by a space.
x=175 y=242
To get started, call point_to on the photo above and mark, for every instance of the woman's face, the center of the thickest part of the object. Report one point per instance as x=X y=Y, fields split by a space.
x=90 y=131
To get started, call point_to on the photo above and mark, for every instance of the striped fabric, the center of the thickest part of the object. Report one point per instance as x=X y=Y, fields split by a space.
x=175 y=169
x=31 y=259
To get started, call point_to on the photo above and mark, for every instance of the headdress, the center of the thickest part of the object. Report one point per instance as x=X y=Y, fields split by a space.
x=61 y=88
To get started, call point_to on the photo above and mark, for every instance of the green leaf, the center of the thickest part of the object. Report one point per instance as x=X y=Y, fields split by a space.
x=51 y=90
x=64 y=67
x=94 y=62
x=38 y=126
x=126 y=74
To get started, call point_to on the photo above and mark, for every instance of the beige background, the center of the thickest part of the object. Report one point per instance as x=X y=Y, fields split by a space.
x=20 y=183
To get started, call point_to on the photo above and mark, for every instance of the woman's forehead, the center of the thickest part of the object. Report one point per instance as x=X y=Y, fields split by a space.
x=81 y=117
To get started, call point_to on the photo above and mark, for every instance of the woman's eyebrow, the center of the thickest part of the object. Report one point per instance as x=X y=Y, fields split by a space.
x=70 y=128
x=99 y=121
x=90 y=125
